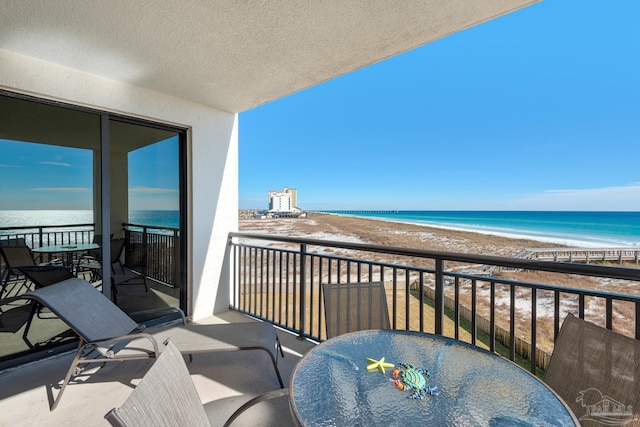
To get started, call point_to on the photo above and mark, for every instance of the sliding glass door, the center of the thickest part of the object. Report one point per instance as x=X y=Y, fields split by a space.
x=69 y=177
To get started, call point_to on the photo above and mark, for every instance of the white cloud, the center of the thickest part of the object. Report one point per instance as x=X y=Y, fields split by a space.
x=55 y=164
x=615 y=198
x=152 y=190
x=62 y=189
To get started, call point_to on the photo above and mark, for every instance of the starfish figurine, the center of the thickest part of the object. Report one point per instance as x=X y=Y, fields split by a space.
x=378 y=364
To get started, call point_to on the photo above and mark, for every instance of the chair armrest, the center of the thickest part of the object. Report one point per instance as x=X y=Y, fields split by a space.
x=110 y=354
x=159 y=309
x=260 y=398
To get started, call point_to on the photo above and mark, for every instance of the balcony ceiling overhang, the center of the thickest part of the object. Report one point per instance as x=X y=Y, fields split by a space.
x=231 y=54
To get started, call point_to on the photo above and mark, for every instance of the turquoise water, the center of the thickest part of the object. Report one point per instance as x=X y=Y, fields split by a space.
x=593 y=229
x=157 y=218
x=601 y=229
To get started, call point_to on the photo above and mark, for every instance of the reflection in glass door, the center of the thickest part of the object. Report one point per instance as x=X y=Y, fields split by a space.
x=55 y=163
x=146 y=198
x=49 y=173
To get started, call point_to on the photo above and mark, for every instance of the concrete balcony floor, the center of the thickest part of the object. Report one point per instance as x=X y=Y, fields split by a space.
x=224 y=380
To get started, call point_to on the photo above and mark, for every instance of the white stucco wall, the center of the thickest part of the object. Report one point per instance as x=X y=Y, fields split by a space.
x=213 y=158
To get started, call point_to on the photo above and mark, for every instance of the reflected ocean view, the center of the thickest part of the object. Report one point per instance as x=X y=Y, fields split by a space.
x=35 y=218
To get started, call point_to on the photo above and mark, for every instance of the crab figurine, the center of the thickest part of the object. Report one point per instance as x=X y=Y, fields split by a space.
x=409 y=378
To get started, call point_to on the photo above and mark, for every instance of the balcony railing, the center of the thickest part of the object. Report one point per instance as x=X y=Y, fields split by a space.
x=36 y=236
x=152 y=250
x=488 y=301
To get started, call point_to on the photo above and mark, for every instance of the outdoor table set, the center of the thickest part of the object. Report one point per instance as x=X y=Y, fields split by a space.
x=69 y=250
x=389 y=377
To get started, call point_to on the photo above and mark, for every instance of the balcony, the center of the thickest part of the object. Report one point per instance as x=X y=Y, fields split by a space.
x=496 y=303
x=222 y=378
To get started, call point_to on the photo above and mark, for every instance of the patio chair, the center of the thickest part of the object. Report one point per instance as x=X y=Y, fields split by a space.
x=45 y=275
x=120 y=275
x=16 y=256
x=597 y=372
x=167 y=397
x=351 y=307
x=17 y=241
x=105 y=328
x=14 y=315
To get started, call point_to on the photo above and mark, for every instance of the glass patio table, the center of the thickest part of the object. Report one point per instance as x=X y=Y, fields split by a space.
x=68 y=249
x=331 y=385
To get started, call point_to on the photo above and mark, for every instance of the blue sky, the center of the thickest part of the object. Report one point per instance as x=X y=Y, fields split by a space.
x=536 y=110
x=152 y=177
x=39 y=176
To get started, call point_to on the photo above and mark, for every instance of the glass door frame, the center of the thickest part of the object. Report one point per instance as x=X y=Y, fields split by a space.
x=104 y=226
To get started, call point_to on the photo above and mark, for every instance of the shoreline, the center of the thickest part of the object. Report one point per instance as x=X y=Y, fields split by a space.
x=565 y=242
x=379 y=231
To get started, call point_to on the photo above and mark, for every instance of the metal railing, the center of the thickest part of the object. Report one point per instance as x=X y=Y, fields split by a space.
x=485 y=300
x=37 y=236
x=154 y=251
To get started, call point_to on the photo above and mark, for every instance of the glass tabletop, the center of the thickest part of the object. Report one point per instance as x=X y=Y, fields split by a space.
x=331 y=385
x=72 y=247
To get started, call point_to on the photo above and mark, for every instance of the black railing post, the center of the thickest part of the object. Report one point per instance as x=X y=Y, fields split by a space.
x=303 y=290
x=176 y=261
x=638 y=320
x=439 y=296
x=145 y=249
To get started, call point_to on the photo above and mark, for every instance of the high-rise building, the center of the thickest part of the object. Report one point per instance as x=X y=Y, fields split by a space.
x=285 y=201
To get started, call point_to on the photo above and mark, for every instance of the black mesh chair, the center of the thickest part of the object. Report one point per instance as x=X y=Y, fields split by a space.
x=351 y=307
x=45 y=275
x=120 y=275
x=597 y=373
x=16 y=257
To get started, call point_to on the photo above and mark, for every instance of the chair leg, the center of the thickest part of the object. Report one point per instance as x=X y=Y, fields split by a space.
x=261 y=398
x=274 y=361
x=70 y=372
x=279 y=346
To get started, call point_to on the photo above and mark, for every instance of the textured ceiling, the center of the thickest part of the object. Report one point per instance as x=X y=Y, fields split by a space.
x=231 y=54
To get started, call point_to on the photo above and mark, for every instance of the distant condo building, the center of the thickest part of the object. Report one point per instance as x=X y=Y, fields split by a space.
x=284 y=203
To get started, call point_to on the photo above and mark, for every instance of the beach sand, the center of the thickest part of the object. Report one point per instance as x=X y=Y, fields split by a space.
x=389 y=233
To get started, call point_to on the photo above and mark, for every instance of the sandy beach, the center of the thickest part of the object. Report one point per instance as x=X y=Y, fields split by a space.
x=380 y=232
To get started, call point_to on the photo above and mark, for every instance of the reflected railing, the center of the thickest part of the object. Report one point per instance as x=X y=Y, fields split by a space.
x=36 y=236
x=152 y=250
x=508 y=305
x=50 y=235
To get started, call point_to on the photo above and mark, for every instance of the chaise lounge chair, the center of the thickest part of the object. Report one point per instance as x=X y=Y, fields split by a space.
x=351 y=307
x=109 y=333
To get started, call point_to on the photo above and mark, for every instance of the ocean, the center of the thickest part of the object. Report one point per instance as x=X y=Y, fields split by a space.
x=580 y=229
x=34 y=218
